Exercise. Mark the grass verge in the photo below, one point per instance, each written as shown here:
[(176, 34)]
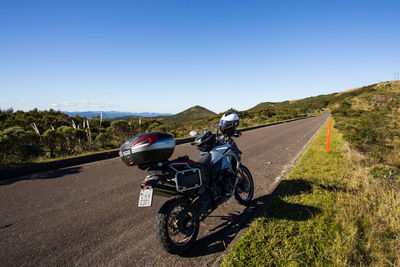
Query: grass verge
[(329, 210)]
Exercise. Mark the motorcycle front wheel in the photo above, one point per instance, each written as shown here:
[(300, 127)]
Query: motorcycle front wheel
[(245, 188), (174, 231)]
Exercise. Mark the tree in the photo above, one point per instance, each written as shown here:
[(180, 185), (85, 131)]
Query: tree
[(19, 145), (74, 140), (120, 129), (50, 141), (105, 141)]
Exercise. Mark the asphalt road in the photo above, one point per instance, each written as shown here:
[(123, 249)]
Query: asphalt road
[(88, 214)]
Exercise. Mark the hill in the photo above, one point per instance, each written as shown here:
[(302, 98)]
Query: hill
[(325, 101), (191, 114)]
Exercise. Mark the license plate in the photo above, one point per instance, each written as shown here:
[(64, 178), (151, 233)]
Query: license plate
[(145, 197), (126, 152)]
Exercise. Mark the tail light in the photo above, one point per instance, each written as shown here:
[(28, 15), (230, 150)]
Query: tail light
[(148, 139)]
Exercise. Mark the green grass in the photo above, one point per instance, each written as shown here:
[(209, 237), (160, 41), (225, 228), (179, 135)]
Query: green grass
[(328, 211)]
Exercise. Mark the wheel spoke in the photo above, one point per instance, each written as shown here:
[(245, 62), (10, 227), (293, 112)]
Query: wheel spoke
[(178, 230)]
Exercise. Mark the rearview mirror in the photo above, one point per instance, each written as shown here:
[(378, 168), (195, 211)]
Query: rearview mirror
[(193, 133)]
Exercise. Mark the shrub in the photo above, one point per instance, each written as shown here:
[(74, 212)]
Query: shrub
[(384, 171), (19, 145)]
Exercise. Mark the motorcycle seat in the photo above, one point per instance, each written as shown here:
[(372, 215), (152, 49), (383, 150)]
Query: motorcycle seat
[(182, 161)]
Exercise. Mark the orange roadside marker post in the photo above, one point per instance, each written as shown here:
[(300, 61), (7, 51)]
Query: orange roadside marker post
[(328, 142)]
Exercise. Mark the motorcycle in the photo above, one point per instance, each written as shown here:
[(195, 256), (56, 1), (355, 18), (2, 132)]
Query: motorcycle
[(195, 189)]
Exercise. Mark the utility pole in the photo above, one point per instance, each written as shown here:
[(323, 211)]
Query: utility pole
[(101, 118)]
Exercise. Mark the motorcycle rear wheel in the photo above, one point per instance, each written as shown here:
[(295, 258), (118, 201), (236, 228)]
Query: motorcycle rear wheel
[(245, 189), (173, 231)]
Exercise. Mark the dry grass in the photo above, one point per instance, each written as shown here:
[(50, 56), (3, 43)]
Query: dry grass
[(376, 207), (348, 91)]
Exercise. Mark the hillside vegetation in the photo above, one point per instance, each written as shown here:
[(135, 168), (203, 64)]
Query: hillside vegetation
[(191, 114), (370, 123)]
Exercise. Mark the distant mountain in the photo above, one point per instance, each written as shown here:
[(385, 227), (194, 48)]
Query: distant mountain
[(113, 114), (133, 117), (192, 114)]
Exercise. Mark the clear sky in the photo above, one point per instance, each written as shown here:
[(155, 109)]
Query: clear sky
[(166, 56)]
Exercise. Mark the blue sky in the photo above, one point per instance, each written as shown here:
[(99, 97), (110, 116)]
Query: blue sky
[(166, 56)]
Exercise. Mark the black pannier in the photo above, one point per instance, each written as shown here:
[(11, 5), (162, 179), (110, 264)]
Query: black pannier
[(187, 175), (189, 179), (147, 148)]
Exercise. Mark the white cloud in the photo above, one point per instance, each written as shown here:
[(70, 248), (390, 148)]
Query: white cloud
[(82, 104), (2, 100)]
